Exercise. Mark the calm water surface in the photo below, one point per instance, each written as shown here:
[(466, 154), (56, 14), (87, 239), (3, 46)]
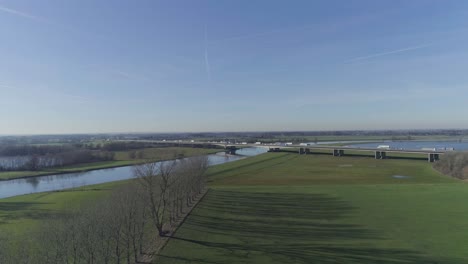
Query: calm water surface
[(72, 180), (417, 145)]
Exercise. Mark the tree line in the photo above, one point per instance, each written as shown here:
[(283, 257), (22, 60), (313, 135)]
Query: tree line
[(36, 162), (30, 150), (454, 164), (119, 228)]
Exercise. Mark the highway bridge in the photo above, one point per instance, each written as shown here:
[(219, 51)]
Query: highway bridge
[(337, 151)]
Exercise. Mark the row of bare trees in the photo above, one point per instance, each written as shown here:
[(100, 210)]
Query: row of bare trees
[(119, 228), (169, 187), (454, 164)]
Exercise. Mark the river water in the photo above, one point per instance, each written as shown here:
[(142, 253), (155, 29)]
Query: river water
[(72, 180), (417, 145)]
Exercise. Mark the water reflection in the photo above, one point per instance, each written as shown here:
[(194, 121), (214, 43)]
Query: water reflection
[(73, 180), (33, 181)]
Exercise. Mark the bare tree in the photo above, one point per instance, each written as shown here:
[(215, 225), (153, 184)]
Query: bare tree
[(129, 202), (454, 164), (114, 229), (156, 180)]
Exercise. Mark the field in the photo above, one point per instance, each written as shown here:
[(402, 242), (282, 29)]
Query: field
[(122, 158), (287, 208), (22, 214)]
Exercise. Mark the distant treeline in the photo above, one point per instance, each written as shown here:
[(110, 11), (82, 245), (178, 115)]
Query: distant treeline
[(42, 150), (454, 164), (88, 138), (37, 157), (123, 146), (29, 150), (33, 158), (37, 162)]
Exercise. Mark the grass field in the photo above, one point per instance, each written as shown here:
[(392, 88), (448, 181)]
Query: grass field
[(22, 214), (122, 158), (287, 208)]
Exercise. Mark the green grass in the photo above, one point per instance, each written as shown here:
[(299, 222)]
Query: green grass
[(289, 208), (122, 158), (21, 214), (294, 169), (6, 175), (286, 208), (166, 153), (361, 153)]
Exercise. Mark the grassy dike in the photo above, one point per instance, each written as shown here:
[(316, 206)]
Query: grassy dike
[(287, 208)]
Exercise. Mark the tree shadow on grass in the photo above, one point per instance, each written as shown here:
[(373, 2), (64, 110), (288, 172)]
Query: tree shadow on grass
[(287, 228), (10, 211)]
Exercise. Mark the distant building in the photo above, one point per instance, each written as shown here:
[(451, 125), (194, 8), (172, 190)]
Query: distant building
[(383, 147), (429, 149)]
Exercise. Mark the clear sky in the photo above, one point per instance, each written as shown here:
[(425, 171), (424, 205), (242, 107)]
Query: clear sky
[(76, 66)]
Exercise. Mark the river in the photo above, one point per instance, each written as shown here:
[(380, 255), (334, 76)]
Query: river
[(72, 180), (417, 145)]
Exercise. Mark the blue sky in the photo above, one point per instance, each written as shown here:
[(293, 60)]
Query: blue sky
[(80, 66)]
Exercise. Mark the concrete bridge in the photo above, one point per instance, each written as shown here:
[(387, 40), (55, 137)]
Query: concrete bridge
[(337, 151), (378, 153), (230, 149)]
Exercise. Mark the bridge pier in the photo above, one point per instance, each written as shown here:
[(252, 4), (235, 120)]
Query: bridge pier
[(431, 157), (380, 155), (274, 150), (338, 152), (231, 150)]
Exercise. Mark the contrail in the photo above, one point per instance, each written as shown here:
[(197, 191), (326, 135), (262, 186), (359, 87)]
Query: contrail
[(19, 13), (207, 61), (387, 53)]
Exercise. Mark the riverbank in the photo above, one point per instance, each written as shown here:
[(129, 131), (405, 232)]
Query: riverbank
[(122, 160)]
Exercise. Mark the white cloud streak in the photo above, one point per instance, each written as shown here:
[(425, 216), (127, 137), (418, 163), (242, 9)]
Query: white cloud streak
[(375, 55), (207, 60), (15, 12), (306, 28)]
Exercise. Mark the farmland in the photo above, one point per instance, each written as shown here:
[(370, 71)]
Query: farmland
[(286, 208)]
